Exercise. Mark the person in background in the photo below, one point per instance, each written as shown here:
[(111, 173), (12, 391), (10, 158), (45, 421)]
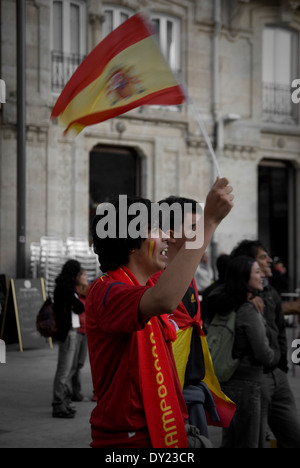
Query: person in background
[(251, 346), (221, 264), (278, 402), (204, 274), (279, 279), (82, 287), (67, 307), (292, 307)]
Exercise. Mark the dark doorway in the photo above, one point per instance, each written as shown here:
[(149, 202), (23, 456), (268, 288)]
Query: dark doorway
[(276, 205), (113, 171)]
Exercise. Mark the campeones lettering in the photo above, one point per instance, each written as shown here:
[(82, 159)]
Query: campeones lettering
[(167, 418)]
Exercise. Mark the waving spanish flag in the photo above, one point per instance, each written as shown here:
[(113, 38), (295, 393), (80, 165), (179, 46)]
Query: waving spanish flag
[(124, 71)]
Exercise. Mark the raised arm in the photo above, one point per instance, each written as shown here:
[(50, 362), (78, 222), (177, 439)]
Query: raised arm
[(164, 297)]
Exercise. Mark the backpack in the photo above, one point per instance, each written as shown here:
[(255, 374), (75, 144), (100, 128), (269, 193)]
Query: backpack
[(220, 339), (46, 319)]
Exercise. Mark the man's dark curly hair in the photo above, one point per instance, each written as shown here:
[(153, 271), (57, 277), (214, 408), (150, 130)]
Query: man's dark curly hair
[(186, 204), (114, 252), (247, 247)]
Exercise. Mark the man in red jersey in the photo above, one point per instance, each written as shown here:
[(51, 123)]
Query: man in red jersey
[(140, 402)]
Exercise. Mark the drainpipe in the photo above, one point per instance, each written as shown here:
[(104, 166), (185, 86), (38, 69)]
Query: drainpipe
[(216, 40), (21, 138), (215, 112)]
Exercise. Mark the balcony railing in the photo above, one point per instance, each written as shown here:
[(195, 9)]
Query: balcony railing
[(278, 106), (63, 67)]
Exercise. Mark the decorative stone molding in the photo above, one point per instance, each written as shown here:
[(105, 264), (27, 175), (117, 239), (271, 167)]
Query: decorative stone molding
[(95, 18), (287, 9), (246, 152), (197, 146), (195, 142), (143, 4), (36, 134), (233, 11), (294, 4)]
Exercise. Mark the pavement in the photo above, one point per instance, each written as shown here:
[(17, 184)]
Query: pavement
[(26, 384), (26, 381)]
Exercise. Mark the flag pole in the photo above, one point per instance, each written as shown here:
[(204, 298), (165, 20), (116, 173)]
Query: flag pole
[(200, 122)]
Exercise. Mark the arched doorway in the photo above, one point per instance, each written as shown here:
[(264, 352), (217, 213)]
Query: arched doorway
[(114, 171)]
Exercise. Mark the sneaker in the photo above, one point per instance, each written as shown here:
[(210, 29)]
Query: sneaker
[(77, 398), (71, 409), (63, 415)]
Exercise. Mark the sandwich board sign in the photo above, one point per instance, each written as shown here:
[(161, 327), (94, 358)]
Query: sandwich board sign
[(24, 299)]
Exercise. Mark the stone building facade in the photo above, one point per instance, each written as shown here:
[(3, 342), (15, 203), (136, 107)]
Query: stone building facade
[(238, 58)]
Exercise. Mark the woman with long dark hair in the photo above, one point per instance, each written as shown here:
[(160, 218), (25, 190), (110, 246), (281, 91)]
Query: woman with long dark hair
[(242, 283), (67, 308)]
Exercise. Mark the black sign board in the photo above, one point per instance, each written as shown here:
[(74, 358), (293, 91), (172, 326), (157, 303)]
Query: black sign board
[(24, 300), (3, 294), (3, 291)]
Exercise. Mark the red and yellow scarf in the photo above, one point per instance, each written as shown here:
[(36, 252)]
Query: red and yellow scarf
[(163, 413), (181, 349)]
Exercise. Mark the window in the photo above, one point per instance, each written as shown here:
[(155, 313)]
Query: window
[(167, 30), (68, 40), (114, 16), (279, 68), (114, 171)]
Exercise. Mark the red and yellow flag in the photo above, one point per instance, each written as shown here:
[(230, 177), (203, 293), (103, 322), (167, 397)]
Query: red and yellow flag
[(181, 349), (124, 71)]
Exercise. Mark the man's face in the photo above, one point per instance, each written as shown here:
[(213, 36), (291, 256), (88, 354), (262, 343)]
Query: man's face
[(177, 239), (264, 262), (153, 253)]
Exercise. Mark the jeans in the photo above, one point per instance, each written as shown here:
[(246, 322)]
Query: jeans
[(244, 429), (279, 410), (61, 392), (78, 363)]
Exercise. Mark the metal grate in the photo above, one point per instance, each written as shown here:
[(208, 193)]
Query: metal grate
[(277, 104), (63, 67)]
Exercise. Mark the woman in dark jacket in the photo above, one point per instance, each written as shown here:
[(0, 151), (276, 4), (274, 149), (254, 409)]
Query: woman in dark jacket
[(67, 308), (243, 281)]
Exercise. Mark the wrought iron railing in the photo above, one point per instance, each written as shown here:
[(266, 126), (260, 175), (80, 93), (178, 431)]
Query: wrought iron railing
[(63, 67), (277, 104)]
